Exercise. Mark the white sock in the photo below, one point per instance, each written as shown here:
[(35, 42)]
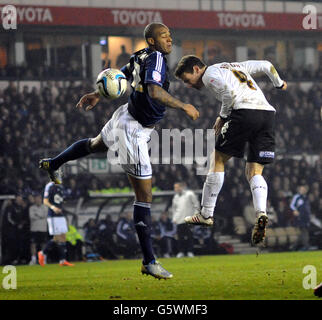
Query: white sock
[(258, 187), (33, 258), (211, 189)]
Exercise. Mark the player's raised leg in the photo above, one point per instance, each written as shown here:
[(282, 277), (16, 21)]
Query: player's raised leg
[(211, 189), (258, 188), (77, 150), (142, 222)]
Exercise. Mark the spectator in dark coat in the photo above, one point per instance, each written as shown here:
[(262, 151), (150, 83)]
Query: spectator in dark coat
[(300, 205), (15, 233)]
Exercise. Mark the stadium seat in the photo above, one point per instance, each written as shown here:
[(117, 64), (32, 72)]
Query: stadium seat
[(281, 236), (271, 238), (239, 225), (293, 235)]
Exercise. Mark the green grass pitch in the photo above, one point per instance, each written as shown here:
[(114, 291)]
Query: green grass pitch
[(269, 276)]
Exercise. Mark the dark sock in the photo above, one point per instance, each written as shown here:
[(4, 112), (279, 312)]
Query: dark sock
[(49, 245), (77, 150), (142, 222), (62, 250)]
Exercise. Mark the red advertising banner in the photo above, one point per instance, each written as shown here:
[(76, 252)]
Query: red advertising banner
[(184, 19)]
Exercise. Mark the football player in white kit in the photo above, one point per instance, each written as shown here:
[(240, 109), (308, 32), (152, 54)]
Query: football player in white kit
[(245, 116)]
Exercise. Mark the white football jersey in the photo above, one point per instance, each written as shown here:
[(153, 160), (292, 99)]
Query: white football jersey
[(233, 85)]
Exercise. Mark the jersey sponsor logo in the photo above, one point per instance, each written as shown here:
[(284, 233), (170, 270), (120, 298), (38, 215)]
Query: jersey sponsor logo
[(58, 199), (267, 154), (156, 76)]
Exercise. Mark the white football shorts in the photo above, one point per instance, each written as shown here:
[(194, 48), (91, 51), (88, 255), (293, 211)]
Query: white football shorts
[(126, 137), (57, 225)]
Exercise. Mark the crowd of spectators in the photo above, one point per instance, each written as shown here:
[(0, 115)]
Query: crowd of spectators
[(40, 122), (36, 120), (36, 72), (72, 71)]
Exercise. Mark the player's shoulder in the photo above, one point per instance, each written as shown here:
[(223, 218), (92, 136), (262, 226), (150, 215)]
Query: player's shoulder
[(212, 72), (155, 56), (49, 185), (139, 52), (48, 189), (216, 68), (140, 55)]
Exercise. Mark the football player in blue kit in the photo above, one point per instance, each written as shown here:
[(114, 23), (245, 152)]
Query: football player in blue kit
[(131, 126), (57, 224)]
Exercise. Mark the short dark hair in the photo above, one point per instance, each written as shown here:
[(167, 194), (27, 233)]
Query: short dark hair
[(149, 31), (186, 64), (182, 184)]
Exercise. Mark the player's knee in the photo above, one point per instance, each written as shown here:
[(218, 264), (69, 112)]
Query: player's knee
[(91, 145), (144, 196), (253, 170), (220, 160), (249, 173), (96, 145), (60, 238)]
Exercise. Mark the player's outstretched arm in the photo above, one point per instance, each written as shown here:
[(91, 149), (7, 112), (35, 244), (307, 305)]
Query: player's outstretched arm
[(258, 66), (163, 97), (89, 100)]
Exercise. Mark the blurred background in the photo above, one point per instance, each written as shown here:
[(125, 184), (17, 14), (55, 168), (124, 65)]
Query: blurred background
[(51, 57)]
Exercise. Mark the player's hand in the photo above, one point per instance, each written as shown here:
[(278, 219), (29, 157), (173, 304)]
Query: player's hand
[(88, 101), (218, 125), (284, 85), (191, 111), (296, 213), (56, 210)]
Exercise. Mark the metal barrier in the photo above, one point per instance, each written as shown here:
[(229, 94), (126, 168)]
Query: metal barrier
[(102, 200)]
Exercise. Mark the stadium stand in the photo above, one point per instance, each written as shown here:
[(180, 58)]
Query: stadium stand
[(46, 120), (45, 68)]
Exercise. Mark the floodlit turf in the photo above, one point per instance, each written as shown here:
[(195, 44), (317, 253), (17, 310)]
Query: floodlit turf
[(275, 276)]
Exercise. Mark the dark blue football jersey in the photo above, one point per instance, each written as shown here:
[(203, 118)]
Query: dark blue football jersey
[(146, 67), (55, 194)]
